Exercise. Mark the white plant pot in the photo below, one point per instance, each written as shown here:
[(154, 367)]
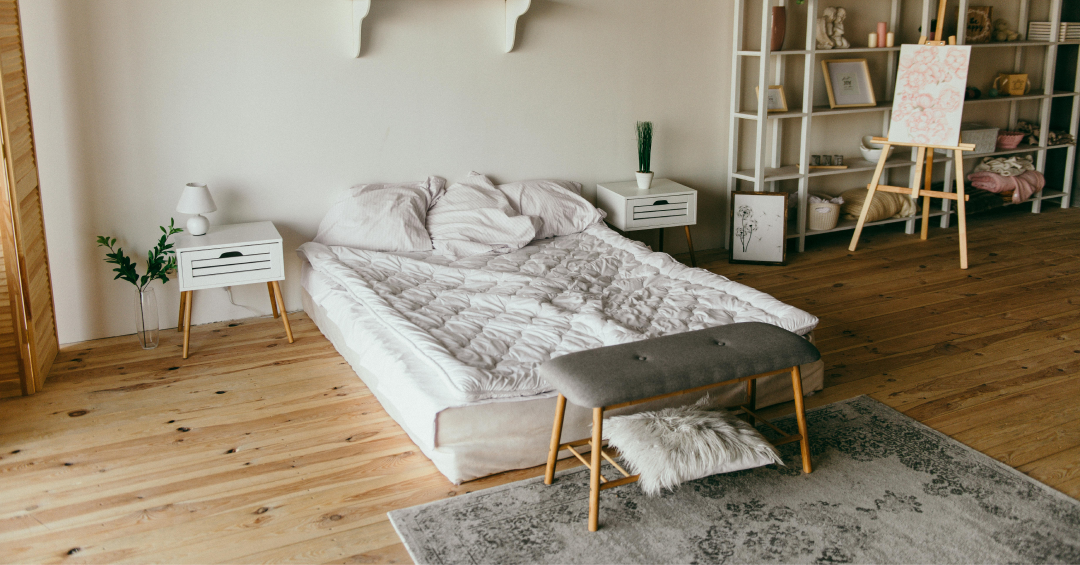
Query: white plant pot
[(644, 180)]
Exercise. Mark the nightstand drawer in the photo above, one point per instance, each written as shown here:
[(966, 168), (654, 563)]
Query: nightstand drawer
[(242, 264), (660, 211)]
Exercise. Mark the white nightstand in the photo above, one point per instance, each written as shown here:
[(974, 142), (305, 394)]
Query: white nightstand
[(227, 256), (666, 204)]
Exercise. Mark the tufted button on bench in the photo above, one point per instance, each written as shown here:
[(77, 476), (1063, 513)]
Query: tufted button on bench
[(623, 375)]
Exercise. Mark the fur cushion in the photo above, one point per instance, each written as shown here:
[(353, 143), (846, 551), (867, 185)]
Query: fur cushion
[(675, 445)]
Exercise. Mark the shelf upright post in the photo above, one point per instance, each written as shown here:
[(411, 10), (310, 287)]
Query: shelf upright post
[(776, 125), (764, 59), (1049, 72), (808, 109), (1018, 59), (733, 124), (1074, 129)]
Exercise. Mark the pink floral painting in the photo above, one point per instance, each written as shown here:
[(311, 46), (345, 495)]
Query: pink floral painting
[(929, 102)]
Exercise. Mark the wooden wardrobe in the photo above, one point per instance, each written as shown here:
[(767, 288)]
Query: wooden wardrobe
[(28, 342)]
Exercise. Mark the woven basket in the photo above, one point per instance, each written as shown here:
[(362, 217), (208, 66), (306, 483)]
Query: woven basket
[(822, 216)]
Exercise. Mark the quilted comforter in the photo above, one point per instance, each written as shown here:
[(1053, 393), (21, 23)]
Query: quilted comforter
[(485, 323)]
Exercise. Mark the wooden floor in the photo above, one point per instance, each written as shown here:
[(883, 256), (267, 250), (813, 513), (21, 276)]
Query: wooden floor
[(255, 450)]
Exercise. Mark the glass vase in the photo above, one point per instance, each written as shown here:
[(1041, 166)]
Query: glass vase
[(146, 318)]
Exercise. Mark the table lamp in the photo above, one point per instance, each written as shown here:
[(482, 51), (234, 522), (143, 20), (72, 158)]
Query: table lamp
[(196, 200)]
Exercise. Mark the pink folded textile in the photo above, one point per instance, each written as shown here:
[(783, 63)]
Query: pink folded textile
[(1023, 186)]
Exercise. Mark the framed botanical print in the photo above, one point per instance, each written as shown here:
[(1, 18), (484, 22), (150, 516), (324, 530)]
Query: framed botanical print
[(759, 228)]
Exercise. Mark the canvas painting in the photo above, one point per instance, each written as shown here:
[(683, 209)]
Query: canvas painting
[(929, 102), (759, 227)]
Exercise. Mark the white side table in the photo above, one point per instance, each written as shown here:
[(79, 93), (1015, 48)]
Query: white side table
[(226, 256), (664, 205)]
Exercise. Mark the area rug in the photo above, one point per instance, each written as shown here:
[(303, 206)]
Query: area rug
[(885, 489)]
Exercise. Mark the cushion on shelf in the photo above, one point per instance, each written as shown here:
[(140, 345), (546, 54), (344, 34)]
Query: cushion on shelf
[(885, 205)]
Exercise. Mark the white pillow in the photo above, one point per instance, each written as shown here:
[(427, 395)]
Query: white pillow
[(473, 217), (382, 217), (557, 203)]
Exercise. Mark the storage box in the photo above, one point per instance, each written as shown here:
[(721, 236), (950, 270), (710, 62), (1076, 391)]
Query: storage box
[(983, 136)]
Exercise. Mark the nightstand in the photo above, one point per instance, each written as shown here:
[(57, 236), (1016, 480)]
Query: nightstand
[(666, 204), (228, 256)]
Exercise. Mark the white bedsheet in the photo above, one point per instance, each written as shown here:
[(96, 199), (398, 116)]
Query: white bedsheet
[(483, 324)]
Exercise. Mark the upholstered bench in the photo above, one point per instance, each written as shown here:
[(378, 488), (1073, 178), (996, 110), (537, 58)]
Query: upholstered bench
[(623, 375)]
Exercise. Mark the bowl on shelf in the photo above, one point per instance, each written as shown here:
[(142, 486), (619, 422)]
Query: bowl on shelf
[(1009, 139), (871, 151)]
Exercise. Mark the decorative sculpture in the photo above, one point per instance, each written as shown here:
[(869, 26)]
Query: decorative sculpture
[(830, 29)]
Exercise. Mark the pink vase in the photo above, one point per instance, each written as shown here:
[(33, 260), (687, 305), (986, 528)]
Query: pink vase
[(779, 28)]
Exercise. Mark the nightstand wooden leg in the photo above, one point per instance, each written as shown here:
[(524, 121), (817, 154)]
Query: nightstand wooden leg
[(660, 240), (273, 300), (690, 244), (180, 318), (284, 316), (187, 322)]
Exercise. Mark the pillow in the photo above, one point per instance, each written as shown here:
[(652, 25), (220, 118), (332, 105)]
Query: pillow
[(557, 203), (675, 445), (473, 217), (885, 205), (382, 217)]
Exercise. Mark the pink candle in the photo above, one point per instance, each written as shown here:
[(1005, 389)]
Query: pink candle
[(882, 29)]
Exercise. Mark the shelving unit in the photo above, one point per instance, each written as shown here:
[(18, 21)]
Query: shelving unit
[(768, 171)]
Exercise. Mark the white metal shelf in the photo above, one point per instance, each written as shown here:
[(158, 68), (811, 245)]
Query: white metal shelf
[(855, 165)]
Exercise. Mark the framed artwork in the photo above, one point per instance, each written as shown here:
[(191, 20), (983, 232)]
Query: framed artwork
[(929, 102), (980, 24), (774, 99), (759, 228), (848, 83)]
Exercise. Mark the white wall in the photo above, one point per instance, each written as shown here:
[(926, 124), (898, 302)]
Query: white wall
[(258, 98)]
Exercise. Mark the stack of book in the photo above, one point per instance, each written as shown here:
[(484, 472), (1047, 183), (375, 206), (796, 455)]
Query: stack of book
[(1040, 31)]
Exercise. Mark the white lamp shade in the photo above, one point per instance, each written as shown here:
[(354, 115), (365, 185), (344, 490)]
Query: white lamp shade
[(196, 199)]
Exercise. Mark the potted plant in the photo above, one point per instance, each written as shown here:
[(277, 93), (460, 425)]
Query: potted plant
[(644, 152), (160, 262)]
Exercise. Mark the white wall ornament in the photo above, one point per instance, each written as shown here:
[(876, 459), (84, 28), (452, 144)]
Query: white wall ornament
[(361, 8)]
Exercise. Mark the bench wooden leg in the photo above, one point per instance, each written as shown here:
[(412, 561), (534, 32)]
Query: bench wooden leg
[(800, 416), (751, 400), (594, 480), (556, 439)]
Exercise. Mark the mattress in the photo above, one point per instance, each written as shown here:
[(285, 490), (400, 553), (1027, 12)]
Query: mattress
[(471, 427)]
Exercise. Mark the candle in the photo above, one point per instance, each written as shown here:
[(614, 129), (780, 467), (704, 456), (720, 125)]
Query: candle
[(882, 29), (872, 42), (890, 39)]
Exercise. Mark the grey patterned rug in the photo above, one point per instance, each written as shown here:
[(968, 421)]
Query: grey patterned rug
[(885, 489)]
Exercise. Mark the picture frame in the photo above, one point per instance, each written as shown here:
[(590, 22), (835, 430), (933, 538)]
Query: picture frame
[(759, 222), (775, 99), (848, 83)]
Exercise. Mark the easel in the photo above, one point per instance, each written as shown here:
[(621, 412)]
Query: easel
[(924, 155)]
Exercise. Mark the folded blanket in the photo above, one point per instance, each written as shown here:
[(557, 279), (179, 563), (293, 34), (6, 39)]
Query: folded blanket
[(1022, 186), (1006, 166)]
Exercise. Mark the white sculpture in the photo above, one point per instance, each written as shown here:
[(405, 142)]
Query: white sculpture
[(830, 29), (838, 30)]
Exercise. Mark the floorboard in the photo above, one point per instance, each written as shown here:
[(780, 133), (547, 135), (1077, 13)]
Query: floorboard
[(255, 450)]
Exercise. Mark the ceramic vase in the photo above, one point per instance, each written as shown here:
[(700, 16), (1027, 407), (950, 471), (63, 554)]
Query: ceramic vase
[(644, 180), (146, 318), (779, 28)]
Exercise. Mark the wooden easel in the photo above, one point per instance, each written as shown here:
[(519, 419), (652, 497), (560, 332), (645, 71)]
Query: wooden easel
[(924, 156)]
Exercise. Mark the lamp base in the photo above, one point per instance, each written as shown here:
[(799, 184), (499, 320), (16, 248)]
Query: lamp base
[(198, 225)]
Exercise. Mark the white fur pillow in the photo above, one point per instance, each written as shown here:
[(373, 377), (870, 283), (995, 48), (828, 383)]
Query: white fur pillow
[(473, 217), (675, 445), (558, 203), (381, 217)]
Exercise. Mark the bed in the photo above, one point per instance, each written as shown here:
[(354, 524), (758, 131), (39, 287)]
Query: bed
[(450, 346)]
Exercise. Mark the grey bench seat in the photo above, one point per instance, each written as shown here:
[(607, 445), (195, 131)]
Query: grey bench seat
[(643, 369), (632, 373)]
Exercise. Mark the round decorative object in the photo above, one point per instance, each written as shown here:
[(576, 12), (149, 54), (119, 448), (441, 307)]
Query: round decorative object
[(198, 225), (779, 28), (1009, 139), (972, 93)]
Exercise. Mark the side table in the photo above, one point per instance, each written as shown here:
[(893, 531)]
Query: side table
[(666, 204), (226, 256)]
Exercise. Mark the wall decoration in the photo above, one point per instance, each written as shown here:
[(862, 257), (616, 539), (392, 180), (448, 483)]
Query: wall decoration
[(759, 228), (848, 83), (979, 24), (774, 98), (929, 102)]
